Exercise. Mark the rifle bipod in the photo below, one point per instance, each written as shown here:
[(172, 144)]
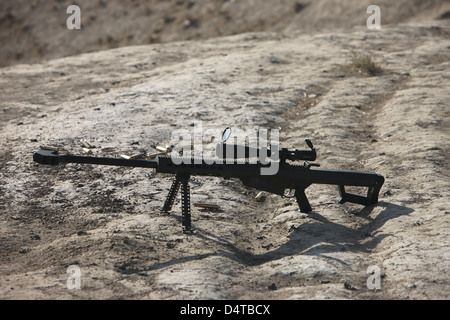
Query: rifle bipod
[(181, 179)]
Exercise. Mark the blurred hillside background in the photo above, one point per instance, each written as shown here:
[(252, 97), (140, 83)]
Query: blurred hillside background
[(35, 30)]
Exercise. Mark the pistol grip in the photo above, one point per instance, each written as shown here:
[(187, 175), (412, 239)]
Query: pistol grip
[(302, 201)]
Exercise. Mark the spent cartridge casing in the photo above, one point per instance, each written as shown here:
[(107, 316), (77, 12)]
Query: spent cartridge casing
[(207, 206), (87, 150), (134, 156), (49, 148), (86, 144), (258, 197)]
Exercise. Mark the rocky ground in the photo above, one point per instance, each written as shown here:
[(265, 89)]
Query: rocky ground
[(106, 220)]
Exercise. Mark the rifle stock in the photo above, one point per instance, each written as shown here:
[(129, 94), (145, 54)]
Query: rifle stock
[(299, 178)]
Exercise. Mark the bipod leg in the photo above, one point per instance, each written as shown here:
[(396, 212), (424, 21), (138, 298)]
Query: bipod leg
[(172, 193), (185, 203)]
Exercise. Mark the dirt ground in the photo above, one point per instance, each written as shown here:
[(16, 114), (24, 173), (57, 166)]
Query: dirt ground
[(107, 220)]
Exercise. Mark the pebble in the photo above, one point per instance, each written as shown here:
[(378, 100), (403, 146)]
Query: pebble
[(272, 287), (267, 246), (348, 286), (170, 245)]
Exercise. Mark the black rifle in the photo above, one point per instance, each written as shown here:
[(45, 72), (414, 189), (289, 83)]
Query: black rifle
[(288, 176)]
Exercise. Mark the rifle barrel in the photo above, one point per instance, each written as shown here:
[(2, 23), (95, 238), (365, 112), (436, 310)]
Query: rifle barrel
[(53, 158)]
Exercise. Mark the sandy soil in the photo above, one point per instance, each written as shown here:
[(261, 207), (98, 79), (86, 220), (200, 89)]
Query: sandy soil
[(106, 220)]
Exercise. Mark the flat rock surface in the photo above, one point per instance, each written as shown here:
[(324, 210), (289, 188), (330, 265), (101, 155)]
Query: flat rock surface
[(106, 220)]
